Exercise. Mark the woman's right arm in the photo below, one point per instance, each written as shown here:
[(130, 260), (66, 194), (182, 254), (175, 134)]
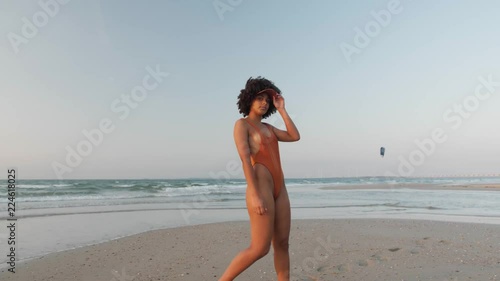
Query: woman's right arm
[(241, 139)]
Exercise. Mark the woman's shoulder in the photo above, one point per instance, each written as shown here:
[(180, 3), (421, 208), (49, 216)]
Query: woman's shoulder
[(240, 122)]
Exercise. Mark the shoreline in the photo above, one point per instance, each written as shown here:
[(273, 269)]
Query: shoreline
[(44, 232), (384, 249)]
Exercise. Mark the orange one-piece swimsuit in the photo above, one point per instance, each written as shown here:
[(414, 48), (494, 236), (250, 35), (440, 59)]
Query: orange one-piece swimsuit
[(269, 156)]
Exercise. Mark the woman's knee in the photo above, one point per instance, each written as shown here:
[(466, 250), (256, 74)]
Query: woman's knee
[(260, 251), (281, 244)]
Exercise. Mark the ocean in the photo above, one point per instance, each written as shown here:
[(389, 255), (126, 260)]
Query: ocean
[(210, 193), (57, 215)]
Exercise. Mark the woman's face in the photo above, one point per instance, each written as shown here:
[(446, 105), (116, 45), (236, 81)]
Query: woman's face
[(261, 104)]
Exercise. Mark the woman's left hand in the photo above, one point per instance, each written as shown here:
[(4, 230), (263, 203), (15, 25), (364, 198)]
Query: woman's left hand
[(279, 101)]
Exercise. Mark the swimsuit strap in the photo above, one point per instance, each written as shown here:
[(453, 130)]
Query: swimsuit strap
[(258, 130), (253, 125)]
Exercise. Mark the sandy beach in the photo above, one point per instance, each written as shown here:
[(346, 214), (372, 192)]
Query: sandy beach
[(361, 231), (333, 249)]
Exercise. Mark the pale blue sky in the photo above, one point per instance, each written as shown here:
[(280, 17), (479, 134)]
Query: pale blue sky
[(394, 91)]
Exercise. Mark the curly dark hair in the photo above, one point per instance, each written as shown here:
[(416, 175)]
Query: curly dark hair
[(247, 95)]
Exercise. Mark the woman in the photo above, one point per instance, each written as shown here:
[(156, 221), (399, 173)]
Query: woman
[(266, 195)]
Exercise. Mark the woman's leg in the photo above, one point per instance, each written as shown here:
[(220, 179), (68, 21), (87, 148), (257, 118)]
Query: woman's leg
[(282, 223), (261, 227)]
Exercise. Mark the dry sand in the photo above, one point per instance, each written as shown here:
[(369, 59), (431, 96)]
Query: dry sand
[(336, 249)]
